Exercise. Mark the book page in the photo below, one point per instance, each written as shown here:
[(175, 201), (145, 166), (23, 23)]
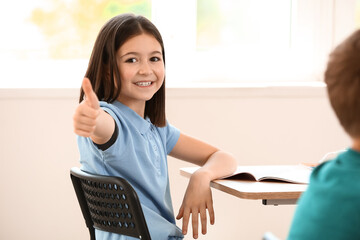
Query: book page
[(287, 173)]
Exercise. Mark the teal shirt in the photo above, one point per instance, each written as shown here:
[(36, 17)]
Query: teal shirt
[(330, 207), (139, 154)]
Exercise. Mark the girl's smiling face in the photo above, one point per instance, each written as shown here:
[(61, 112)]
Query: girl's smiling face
[(142, 71)]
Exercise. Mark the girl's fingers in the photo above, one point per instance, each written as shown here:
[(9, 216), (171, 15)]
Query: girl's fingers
[(85, 110), (84, 124), (84, 120), (203, 220), (181, 212), (185, 224), (195, 224), (82, 133), (211, 213), (84, 128)]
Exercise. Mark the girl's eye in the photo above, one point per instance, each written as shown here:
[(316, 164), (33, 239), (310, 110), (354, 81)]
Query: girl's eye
[(155, 59), (131, 60)]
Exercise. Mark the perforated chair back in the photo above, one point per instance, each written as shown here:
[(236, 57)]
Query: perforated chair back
[(109, 204)]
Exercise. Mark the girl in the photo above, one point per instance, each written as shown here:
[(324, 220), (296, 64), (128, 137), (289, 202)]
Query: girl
[(126, 133)]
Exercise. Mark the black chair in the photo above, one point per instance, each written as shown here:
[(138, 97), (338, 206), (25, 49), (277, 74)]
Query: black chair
[(109, 204)]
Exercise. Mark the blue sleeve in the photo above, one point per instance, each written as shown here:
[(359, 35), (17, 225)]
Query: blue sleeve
[(120, 143), (92, 157), (172, 136)]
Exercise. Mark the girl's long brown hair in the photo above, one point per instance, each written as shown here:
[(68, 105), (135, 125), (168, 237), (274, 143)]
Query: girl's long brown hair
[(103, 70)]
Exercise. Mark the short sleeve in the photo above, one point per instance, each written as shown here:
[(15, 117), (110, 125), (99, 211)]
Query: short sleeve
[(172, 136), (117, 143)]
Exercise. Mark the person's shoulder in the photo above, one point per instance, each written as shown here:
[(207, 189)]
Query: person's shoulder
[(167, 128), (331, 164), (112, 109), (324, 174), (104, 104), (343, 169), (169, 131)]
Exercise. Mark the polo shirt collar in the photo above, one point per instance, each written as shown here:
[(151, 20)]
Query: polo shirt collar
[(142, 125)]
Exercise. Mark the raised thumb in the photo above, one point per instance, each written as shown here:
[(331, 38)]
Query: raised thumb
[(90, 96)]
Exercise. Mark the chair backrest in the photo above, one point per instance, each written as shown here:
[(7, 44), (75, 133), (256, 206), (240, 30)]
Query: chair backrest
[(109, 204)]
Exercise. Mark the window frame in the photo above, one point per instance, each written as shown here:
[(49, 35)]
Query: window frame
[(317, 27), (325, 23)]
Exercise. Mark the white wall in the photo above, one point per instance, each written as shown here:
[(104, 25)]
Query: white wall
[(258, 125)]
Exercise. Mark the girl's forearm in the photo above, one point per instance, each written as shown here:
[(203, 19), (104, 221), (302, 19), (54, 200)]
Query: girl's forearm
[(220, 164)]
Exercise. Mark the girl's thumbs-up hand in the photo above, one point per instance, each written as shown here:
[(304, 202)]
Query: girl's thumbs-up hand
[(87, 113), (90, 96)]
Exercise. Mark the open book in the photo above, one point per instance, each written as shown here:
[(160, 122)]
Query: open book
[(285, 173)]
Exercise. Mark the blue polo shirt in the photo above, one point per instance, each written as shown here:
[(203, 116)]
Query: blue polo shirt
[(139, 154)]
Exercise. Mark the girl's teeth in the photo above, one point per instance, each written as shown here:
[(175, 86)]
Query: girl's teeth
[(143, 84)]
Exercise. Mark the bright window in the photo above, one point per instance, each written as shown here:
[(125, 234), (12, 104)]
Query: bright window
[(357, 14), (243, 23), (47, 43), (246, 40)]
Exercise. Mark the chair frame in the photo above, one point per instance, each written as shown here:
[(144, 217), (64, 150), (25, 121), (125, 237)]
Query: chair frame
[(109, 204)]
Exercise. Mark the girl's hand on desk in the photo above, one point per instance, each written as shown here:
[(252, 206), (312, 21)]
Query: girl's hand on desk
[(197, 199), (86, 114)]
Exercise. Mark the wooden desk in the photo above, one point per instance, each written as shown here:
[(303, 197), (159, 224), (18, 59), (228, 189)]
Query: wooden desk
[(271, 193)]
